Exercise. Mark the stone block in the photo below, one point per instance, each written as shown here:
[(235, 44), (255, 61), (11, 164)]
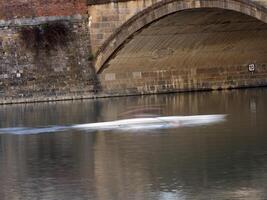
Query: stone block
[(110, 77)]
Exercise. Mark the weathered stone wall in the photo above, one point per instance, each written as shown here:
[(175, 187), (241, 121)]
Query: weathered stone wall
[(166, 81), (44, 51), (32, 70), (106, 18)]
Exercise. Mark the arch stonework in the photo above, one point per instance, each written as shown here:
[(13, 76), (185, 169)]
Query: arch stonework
[(108, 45)]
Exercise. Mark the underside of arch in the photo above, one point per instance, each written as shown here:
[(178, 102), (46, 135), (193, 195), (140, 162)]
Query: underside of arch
[(167, 7), (193, 39), (193, 49)]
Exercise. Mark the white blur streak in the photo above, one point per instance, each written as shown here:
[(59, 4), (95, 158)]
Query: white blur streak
[(135, 124), (153, 123), (30, 131)]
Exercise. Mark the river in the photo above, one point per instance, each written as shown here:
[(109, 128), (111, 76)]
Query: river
[(222, 160)]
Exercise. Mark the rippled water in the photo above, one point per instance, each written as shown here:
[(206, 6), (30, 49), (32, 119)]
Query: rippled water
[(222, 160)]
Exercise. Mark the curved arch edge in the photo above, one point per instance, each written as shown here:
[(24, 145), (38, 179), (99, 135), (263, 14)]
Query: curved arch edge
[(165, 8)]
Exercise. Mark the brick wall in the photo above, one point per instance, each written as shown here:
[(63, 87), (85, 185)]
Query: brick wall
[(34, 8)]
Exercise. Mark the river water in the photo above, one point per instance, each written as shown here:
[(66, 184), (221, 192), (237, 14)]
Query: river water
[(222, 160)]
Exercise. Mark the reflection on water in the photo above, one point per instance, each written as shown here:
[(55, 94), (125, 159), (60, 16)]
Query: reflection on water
[(226, 160)]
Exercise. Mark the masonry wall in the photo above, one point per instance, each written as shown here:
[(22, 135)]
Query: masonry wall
[(166, 81), (106, 18), (43, 72), (44, 51)]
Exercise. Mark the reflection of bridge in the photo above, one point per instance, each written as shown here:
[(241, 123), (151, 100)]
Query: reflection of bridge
[(146, 46)]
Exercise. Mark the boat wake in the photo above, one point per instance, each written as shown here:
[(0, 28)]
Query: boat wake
[(134, 124)]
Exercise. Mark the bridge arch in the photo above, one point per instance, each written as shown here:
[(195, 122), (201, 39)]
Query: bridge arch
[(167, 7)]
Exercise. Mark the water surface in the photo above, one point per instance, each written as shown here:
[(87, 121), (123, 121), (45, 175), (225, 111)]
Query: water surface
[(225, 160)]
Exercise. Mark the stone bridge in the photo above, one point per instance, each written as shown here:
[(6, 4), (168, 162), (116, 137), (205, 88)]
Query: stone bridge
[(95, 48), (151, 46)]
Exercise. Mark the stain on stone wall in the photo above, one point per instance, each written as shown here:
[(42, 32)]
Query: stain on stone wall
[(49, 36)]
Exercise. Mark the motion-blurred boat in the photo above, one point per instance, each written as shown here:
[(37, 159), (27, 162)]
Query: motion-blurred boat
[(148, 123)]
